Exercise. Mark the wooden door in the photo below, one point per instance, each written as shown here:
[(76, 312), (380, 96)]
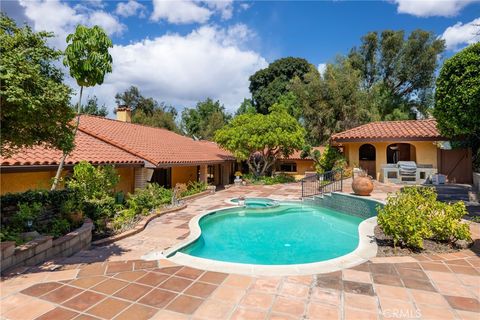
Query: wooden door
[(456, 164)]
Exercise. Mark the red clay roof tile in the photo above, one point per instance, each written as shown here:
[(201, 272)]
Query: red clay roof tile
[(87, 148), (158, 146), (418, 130)]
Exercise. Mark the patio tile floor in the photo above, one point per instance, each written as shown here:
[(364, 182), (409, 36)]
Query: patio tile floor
[(112, 282)]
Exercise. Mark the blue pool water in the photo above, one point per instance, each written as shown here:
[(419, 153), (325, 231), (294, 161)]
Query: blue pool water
[(257, 202), (290, 233)]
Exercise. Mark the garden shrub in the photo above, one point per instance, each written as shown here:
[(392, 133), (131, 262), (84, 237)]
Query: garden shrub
[(266, 180), (414, 214), (89, 182), (151, 197), (328, 159), (123, 219), (27, 212), (58, 228), (94, 190), (446, 224), (194, 187)]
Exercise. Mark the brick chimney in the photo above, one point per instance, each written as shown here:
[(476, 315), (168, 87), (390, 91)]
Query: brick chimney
[(124, 113)]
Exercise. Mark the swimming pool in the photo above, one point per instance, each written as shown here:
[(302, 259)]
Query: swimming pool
[(255, 203), (285, 234)]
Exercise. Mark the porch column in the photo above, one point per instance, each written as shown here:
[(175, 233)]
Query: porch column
[(203, 173)]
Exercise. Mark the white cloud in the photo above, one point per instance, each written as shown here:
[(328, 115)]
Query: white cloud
[(179, 69), (460, 34), (130, 8), (321, 68), (183, 70), (429, 8), (190, 11), (59, 17), (180, 11), (225, 7), (109, 23), (245, 6)]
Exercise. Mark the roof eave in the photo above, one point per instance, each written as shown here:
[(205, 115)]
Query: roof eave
[(387, 139)]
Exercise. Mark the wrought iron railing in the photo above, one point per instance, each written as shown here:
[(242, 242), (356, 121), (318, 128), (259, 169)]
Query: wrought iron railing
[(321, 183)]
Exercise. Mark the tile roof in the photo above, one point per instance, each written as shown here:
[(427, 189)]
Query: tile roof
[(406, 130), (87, 148), (155, 145)]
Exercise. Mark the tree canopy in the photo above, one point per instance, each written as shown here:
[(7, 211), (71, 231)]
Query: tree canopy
[(87, 55), (457, 96), (205, 119), (269, 84), (161, 117), (333, 102), (147, 110), (136, 101), (34, 100), (92, 108), (262, 139), (388, 77), (401, 71)]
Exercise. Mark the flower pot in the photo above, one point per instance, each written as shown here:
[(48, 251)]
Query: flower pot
[(362, 186)]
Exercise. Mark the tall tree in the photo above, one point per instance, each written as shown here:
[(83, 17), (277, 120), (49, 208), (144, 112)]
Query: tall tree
[(161, 117), (246, 107), (333, 102), (205, 119), (147, 110), (88, 59), (136, 101), (401, 71), (262, 139), (457, 98), (34, 101), (92, 108), (267, 85)]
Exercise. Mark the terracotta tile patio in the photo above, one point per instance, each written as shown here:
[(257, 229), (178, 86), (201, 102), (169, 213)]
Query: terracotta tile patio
[(113, 283)]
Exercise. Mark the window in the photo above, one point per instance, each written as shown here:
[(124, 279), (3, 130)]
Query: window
[(288, 167)]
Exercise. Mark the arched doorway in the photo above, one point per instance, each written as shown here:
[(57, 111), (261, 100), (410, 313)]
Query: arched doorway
[(366, 159), (400, 152)]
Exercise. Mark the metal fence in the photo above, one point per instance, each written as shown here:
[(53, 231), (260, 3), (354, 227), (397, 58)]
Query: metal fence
[(322, 183)]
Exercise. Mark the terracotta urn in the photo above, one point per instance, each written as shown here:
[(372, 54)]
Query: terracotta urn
[(362, 185)]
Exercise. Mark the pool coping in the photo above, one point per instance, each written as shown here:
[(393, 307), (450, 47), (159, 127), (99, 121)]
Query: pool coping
[(366, 249)]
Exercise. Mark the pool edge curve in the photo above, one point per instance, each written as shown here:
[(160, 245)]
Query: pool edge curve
[(366, 249)]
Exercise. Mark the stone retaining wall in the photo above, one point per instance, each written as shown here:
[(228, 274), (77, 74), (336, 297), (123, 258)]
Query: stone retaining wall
[(45, 247)]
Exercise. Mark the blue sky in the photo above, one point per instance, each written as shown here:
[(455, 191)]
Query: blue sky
[(184, 51)]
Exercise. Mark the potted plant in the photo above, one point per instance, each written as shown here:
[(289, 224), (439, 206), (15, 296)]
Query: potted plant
[(238, 180), (362, 184)]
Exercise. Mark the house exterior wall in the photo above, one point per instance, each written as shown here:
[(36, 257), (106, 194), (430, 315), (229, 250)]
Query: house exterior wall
[(127, 180), (23, 181), (302, 166), (424, 152), (35, 180), (183, 175)]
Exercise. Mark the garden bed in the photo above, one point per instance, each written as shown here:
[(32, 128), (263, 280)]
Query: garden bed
[(386, 249), (45, 247)]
